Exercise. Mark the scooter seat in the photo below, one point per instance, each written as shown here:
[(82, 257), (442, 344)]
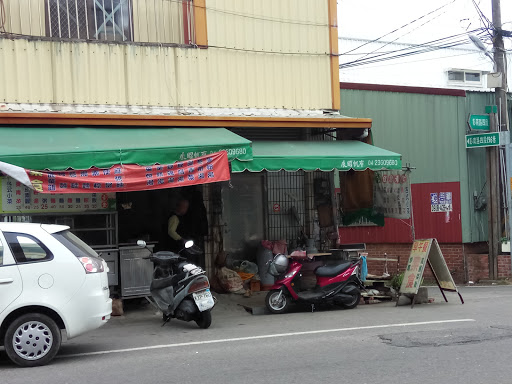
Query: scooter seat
[(332, 270)]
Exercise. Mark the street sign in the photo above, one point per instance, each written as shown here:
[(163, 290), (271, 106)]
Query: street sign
[(479, 122), (483, 140)]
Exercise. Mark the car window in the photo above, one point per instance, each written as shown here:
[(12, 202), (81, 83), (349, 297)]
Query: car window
[(75, 244), (27, 248)]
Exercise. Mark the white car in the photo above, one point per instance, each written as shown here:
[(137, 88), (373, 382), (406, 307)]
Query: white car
[(50, 280)]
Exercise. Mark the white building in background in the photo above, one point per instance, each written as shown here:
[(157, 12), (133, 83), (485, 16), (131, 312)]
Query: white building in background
[(464, 67), (400, 27)]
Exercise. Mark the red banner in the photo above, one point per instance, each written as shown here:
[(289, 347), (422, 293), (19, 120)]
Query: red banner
[(124, 178)]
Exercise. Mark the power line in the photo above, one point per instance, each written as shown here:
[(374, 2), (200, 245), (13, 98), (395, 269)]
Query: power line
[(420, 60), (405, 34), (417, 52), (403, 26), (45, 38), (273, 19), (426, 49), (485, 21), (428, 45)]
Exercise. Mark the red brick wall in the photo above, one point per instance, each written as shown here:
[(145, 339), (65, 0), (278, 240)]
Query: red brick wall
[(476, 263), (504, 266), (478, 266), (393, 251), (453, 254)]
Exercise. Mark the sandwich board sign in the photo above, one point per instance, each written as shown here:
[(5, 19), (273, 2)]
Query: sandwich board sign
[(423, 253)]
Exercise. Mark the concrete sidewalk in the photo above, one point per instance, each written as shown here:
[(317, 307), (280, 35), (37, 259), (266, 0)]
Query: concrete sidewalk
[(227, 303), (233, 305)]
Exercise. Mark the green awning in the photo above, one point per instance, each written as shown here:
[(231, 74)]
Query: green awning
[(321, 155), (82, 148)]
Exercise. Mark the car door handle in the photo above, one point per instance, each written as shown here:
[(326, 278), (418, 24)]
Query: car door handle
[(8, 280)]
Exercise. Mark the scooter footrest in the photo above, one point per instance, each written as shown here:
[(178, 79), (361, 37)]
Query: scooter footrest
[(309, 296)]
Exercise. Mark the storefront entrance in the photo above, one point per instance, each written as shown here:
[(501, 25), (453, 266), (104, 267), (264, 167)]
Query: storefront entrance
[(243, 203)]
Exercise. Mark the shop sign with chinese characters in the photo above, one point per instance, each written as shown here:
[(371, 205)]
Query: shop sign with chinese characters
[(441, 202), (415, 266), (18, 198), (392, 194), (125, 177), (233, 153), (423, 253), (362, 164)]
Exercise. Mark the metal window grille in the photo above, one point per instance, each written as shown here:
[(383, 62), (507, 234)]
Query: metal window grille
[(109, 20), (212, 200), (285, 194), (144, 21)]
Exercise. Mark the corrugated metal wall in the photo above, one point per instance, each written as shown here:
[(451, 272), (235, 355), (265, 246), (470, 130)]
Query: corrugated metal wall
[(159, 21), (445, 226), (25, 17), (425, 129), (429, 131), (263, 54), (268, 25)]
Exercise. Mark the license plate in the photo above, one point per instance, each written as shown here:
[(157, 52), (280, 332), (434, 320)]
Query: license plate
[(204, 300)]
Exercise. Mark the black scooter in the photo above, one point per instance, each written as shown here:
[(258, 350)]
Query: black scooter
[(180, 289)]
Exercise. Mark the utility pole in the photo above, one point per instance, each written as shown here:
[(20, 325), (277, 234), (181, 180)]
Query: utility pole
[(499, 59), (500, 124)]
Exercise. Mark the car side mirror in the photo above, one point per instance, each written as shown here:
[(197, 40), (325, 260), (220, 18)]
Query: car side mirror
[(141, 243)]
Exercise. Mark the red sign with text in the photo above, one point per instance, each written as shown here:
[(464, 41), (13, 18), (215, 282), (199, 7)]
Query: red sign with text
[(131, 177)]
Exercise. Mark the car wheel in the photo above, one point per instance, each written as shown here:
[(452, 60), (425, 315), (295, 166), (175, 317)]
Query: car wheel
[(32, 339)]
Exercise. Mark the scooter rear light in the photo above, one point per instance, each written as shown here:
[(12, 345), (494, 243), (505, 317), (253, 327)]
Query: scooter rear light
[(199, 286), (92, 264)]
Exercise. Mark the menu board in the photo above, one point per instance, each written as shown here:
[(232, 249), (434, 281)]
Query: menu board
[(17, 198), (415, 266)]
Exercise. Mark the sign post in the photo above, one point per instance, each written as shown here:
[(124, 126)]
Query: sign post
[(427, 252)]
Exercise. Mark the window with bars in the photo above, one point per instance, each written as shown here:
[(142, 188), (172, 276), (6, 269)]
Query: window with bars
[(109, 20)]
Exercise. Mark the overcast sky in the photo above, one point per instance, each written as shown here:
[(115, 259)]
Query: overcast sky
[(371, 19)]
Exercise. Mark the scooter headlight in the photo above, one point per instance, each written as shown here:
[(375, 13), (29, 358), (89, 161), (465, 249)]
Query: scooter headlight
[(290, 274)]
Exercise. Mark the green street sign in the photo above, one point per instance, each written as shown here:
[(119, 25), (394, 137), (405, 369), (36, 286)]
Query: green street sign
[(491, 109), (479, 122), (483, 140)]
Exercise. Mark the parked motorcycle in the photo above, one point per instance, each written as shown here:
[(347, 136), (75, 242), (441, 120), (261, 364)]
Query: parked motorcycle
[(338, 284), (180, 289)]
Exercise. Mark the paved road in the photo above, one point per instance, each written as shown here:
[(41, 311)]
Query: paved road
[(432, 343)]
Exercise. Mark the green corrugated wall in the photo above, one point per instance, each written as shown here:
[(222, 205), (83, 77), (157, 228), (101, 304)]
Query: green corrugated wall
[(429, 132)]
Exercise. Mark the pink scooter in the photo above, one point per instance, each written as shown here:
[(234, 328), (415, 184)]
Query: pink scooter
[(338, 284)]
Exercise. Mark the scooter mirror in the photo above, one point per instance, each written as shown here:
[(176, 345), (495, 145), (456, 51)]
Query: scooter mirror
[(141, 243), (189, 244)]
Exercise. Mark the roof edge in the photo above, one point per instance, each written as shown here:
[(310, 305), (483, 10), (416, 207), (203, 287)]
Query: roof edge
[(403, 89), (89, 119)]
